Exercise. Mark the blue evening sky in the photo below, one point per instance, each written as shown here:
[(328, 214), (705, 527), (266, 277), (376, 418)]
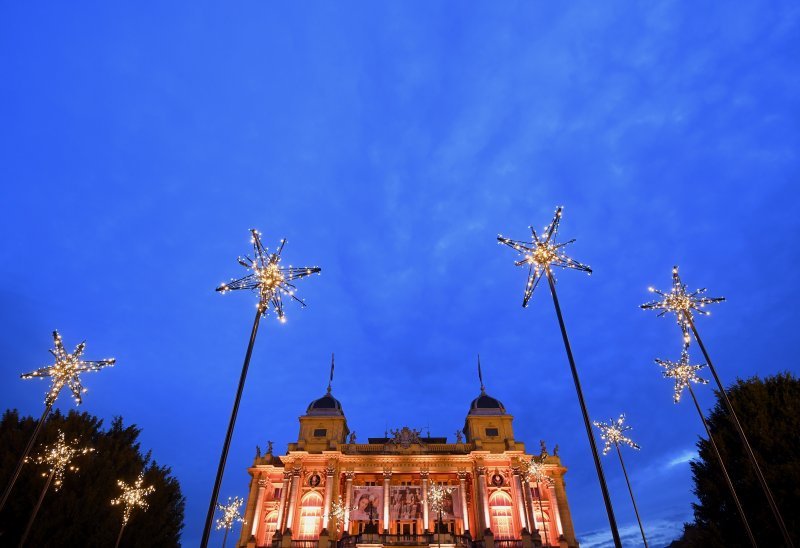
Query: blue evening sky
[(390, 143)]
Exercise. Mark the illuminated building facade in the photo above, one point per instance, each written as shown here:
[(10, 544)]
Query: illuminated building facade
[(327, 487)]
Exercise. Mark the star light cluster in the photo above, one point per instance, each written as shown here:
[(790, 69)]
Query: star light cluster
[(436, 496), (230, 513), (613, 433), (268, 278), (66, 370), (58, 457), (682, 372), (133, 496), (541, 253), (681, 303), (535, 472)]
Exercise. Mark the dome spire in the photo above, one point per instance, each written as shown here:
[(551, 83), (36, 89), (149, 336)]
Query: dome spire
[(330, 380), (480, 375)]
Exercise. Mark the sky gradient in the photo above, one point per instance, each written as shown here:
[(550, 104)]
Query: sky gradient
[(390, 144)]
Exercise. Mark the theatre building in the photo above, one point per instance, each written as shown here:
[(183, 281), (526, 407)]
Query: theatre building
[(330, 488)]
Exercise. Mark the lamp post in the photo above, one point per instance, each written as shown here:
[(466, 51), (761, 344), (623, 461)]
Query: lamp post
[(683, 304), (535, 472), (540, 255), (613, 432), (272, 282), (64, 372), (230, 515), (684, 375), (57, 457), (132, 496)]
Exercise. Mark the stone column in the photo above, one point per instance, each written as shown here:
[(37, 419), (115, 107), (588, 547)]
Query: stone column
[(531, 509), (462, 482), (326, 511), (387, 478), (292, 506), (520, 502), (484, 498), (551, 494), (282, 505), (424, 476), (348, 492), (262, 486)]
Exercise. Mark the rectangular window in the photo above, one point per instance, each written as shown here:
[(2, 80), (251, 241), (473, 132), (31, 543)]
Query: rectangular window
[(277, 493), (320, 432), (492, 432)]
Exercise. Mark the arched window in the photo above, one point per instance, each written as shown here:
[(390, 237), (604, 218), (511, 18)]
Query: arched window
[(270, 526), (544, 522), (310, 516), (500, 513)]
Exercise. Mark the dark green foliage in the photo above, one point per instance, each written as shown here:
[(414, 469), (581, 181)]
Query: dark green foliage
[(769, 412), (80, 514)]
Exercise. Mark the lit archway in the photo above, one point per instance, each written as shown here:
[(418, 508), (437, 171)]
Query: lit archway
[(501, 515), (310, 516)]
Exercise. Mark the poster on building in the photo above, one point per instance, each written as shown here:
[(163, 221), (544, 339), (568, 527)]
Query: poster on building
[(405, 502), (367, 503), (451, 507)]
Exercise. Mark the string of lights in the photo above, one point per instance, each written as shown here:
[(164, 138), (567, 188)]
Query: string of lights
[(683, 303), (271, 282), (541, 254)]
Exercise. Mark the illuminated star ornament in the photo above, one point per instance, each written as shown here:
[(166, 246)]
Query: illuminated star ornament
[(613, 433), (534, 472), (268, 278), (58, 457), (542, 252), (67, 370), (133, 496), (230, 513), (437, 494), (681, 302), (682, 372)]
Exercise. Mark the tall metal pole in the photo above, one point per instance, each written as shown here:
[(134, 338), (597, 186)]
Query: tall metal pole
[(119, 536), (25, 454), (220, 470), (724, 470), (541, 513), (630, 490), (36, 509), (599, 467), (735, 420), (225, 536)]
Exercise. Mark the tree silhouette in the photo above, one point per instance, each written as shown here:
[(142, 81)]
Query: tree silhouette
[(769, 411), (81, 514)]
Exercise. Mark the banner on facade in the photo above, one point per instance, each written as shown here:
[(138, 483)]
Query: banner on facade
[(367, 503), (405, 502), (451, 508)]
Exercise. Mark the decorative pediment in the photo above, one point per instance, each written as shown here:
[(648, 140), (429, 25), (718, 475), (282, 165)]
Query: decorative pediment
[(405, 437)]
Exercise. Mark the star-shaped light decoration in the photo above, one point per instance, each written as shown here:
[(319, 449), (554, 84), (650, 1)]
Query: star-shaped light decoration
[(437, 494), (541, 253), (682, 372), (268, 278), (58, 457), (535, 472), (133, 496), (681, 302), (230, 513), (67, 370), (613, 433), (339, 508)]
